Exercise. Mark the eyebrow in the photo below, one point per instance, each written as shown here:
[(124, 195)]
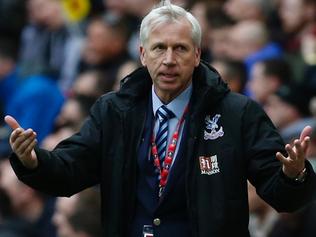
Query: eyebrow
[(175, 45)]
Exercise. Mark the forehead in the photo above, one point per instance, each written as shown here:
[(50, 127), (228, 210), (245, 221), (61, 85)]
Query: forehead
[(173, 30), (291, 3)]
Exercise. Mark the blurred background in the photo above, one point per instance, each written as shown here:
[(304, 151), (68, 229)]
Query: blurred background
[(58, 56)]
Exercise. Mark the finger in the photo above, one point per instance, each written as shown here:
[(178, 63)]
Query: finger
[(290, 152), (31, 146), (21, 139), (15, 134), (281, 158), (299, 150), (307, 131), (11, 122), (25, 145), (305, 144)]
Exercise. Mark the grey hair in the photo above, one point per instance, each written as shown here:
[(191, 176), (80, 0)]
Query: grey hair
[(167, 12)]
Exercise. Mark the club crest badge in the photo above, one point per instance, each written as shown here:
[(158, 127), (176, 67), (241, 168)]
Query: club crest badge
[(209, 165), (211, 125)]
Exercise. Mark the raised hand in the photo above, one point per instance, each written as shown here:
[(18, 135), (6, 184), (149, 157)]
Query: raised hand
[(22, 143), (295, 162)]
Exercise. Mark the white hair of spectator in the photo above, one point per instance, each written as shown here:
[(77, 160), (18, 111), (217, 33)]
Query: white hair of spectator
[(165, 13)]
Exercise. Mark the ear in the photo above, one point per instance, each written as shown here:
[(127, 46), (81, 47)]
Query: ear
[(197, 56), (142, 55)]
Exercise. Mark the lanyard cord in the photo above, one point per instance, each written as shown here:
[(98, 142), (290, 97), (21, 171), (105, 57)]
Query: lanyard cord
[(164, 169)]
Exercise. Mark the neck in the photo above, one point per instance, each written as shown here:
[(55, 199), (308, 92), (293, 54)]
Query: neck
[(167, 97)]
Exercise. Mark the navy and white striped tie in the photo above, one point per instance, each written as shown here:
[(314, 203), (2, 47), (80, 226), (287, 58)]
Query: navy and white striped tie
[(163, 114)]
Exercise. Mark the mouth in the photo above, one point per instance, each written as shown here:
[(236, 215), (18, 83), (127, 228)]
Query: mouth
[(168, 76)]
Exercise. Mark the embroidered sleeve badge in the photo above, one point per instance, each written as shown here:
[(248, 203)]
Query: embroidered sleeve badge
[(211, 124)]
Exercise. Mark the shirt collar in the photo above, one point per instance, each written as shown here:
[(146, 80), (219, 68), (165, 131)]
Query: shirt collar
[(177, 105)]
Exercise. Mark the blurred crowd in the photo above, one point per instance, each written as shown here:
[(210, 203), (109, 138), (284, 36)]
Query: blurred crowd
[(58, 56)]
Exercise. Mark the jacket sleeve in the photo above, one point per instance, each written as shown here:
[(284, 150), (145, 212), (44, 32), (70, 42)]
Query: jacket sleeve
[(262, 141), (72, 166)]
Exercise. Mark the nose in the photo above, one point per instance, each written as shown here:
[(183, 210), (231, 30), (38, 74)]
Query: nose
[(169, 59)]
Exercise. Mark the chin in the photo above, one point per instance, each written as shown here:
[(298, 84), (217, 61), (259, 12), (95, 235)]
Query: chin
[(169, 87)]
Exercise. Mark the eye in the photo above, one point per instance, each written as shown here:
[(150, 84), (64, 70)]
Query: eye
[(181, 48), (158, 47)]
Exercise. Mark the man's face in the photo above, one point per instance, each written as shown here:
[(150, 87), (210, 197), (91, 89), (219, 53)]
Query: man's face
[(170, 56), (219, 42), (292, 14), (280, 112), (64, 209), (12, 186), (101, 43), (259, 83)]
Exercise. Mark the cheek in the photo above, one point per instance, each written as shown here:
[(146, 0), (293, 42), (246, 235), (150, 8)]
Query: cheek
[(153, 63), (191, 64)]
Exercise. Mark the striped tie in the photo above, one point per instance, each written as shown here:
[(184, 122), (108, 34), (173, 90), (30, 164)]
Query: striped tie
[(163, 115)]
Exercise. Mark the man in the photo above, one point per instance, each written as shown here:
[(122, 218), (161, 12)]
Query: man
[(262, 217), (79, 215), (224, 138), (267, 76), (31, 210), (288, 105)]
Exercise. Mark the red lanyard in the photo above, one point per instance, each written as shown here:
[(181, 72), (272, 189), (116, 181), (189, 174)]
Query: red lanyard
[(164, 170)]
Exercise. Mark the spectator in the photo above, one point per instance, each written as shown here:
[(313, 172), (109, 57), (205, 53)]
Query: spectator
[(288, 105), (57, 136), (267, 77), (241, 10), (220, 26), (124, 71), (48, 46), (263, 217), (233, 72), (93, 83), (39, 92), (79, 215), (8, 73), (30, 208), (71, 117), (308, 53), (105, 48), (138, 8), (135, 13), (74, 111), (296, 17), (199, 10), (249, 42)]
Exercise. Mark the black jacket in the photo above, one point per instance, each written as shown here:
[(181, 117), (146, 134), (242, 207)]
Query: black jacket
[(244, 144)]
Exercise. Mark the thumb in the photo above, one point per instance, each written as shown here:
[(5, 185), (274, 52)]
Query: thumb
[(11, 122)]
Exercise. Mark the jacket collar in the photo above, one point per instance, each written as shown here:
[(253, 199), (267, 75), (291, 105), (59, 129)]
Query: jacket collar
[(208, 87)]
